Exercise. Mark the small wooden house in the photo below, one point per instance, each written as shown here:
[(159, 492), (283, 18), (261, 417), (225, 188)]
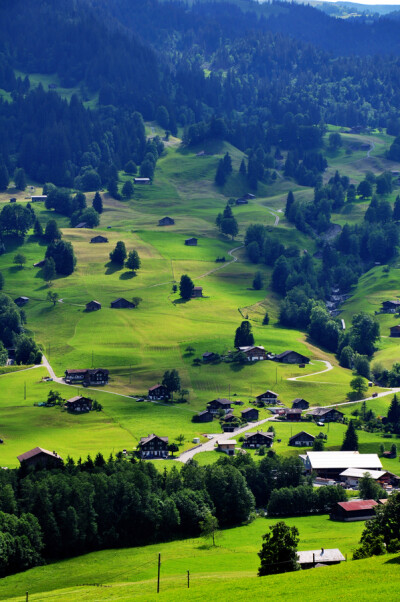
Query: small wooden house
[(191, 242), (197, 292), (38, 198), (352, 477), (98, 238), (302, 439), (217, 404), (79, 404), (354, 510), (122, 303), (291, 357), (300, 403), (141, 181), (250, 414), (256, 440), (208, 356), (326, 415), (166, 221), (242, 201), (228, 447), (249, 195), (390, 307), (254, 353), (294, 415), (93, 306), (205, 416), (312, 558), (39, 457), (153, 446), (92, 376), (157, 392), (21, 301), (268, 397), (395, 331)]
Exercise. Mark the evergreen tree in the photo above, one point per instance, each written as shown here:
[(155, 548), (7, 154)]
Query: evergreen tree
[(229, 226), (133, 261), (227, 164), (279, 550), (171, 381), (227, 211), (4, 178), (243, 336), (131, 168), (118, 255), (52, 231), (49, 270), (37, 228), (242, 168), (112, 188), (220, 176), (20, 179), (350, 440), (396, 209), (63, 254), (127, 189), (1, 281), (186, 287), (258, 281), (289, 203), (266, 319), (394, 411), (98, 203)]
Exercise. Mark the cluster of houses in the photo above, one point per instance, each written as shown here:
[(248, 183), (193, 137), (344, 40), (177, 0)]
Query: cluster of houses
[(257, 353), (87, 377)]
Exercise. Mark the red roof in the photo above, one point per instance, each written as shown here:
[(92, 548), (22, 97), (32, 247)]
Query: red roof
[(358, 505), (154, 387)]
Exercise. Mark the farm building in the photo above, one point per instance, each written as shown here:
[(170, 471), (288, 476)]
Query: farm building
[(249, 195), (81, 225), (300, 403), (294, 415), (311, 558), (38, 198), (250, 414), (158, 392), (79, 404), (390, 307), (219, 404), (141, 180), (166, 221), (326, 415), (92, 376), (39, 264), (21, 301), (204, 416), (352, 476), (330, 464), (291, 357), (268, 397), (395, 331), (197, 292), (228, 447), (98, 238), (256, 440), (242, 201), (191, 242), (122, 303), (39, 457), (153, 446), (93, 306), (302, 439), (208, 356), (354, 510), (254, 353)]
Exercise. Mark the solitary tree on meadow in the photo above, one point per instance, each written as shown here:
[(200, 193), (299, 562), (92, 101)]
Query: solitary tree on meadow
[(118, 255), (133, 261), (186, 287), (19, 259), (279, 550), (97, 202)]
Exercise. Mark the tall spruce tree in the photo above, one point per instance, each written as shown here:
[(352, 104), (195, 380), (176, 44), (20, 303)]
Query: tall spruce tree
[(350, 441), (289, 202), (97, 203), (243, 335), (394, 411)]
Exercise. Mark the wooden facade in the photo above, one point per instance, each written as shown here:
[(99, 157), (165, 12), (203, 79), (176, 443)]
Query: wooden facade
[(158, 392), (217, 404), (256, 440), (93, 306), (291, 357), (40, 458), (153, 446), (302, 439), (254, 353), (122, 303), (92, 376), (79, 404), (250, 414)]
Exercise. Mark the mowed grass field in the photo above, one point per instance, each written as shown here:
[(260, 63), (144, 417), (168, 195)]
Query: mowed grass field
[(131, 573), (137, 346)]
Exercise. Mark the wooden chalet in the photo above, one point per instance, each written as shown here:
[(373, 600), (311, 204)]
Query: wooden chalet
[(395, 331), (312, 558), (228, 447), (254, 353), (208, 356), (38, 198), (153, 446), (21, 301), (79, 404), (294, 415), (98, 238), (219, 404), (191, 242), (157, 392), (300, 403), (242, 201), (250, 414), (268, 397), (354, 510), (390, 307), (91, 376), (302, 439), (291, 357), (141, 181), (39, 457), (256, 440), (205, 416), (197, 292), (249, 195), (166, 221), (93, 306), (326, 415), (122, 303)]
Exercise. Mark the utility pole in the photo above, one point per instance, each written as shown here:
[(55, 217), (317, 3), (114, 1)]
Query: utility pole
[(92, 358), (158, 576), (27, 596), (188, 577), (24, 389), (276, 374), (229, 397), (130, 374)]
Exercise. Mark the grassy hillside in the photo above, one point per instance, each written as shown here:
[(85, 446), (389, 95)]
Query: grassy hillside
[(227, 571)]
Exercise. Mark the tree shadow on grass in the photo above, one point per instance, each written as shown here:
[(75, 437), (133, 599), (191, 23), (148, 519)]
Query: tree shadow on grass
[(180, 301), (236, 367), (127, 275), (112, 267), (393, 560)]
